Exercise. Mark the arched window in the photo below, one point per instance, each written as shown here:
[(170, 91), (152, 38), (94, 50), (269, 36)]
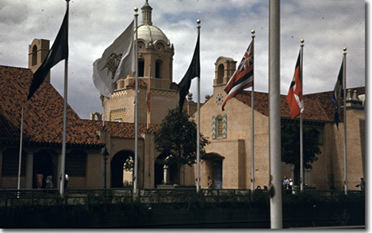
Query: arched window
[(220, 74), (157, 68), (141, 67), (34, 55)]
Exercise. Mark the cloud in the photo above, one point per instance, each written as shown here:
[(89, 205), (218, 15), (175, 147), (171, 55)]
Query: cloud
[(326, 25)]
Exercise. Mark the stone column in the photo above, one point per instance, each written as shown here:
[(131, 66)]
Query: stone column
[(165, 174)]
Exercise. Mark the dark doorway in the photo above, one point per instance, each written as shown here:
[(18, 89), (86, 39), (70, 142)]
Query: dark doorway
[(43, 167), (120, 169)]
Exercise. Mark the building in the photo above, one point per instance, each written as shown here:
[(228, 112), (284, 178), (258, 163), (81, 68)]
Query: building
[(228, 158), (228, 161)]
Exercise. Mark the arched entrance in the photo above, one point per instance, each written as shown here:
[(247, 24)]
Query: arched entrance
[(166, 174), (44, 165), (214, 169), (122, 169)]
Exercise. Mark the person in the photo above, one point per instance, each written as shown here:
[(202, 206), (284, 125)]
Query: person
[(290, 186), (66, 180), (286, 182), (210, 183), (49, 182), (39, 178), (362, 184)]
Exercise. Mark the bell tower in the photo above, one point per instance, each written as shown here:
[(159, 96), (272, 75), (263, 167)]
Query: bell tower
[(37, 51), (155, 69)]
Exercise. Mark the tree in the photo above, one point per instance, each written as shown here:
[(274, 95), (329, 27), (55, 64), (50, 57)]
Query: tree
[(290, 150), (176, 139)]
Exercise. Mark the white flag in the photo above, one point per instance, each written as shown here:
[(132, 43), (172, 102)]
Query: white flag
[(117, 61)]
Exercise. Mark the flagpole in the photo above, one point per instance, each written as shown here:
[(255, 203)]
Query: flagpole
[(198, 126), (301, 123), (345, 144), (252, 130), (136, 111), (20, 154), (275, 185), (63, 156)]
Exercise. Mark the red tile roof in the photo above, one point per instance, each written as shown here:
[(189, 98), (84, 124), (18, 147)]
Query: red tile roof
[(318, 106), (43, 114)]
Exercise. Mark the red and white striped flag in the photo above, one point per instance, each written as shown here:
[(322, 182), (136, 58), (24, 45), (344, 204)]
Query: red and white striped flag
[(242, 77)]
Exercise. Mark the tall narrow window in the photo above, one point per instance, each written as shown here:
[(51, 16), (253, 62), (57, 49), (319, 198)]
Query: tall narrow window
[(34, 55), (157, 68), (219, 127), (141, 67)]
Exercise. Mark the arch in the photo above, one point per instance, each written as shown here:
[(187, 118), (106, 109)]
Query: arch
[(214, 168), (220, 73), (45, 164), (120, 163), (34, 55), (158, 68), (172, 172)]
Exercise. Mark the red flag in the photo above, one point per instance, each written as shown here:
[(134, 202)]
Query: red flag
[(294, 97), (242, 77)]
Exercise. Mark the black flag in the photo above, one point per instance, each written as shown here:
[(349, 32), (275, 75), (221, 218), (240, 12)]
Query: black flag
[(192, 72), (57, 53)]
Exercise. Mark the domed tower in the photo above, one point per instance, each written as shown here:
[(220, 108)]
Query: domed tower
[(155, 68), (155, 54)]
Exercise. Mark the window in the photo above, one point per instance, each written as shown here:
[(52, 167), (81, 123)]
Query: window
[(219, 126), (76, 163), (220, 74), (34, 55), (157, 68), (141, 67)]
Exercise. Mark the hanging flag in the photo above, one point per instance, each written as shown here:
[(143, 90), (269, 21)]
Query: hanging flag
[(192, 72), (242, 77), (294, 97), (117, 62), (57, 53), (338, 93)]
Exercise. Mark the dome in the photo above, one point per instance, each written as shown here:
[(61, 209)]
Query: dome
[(151, 33)]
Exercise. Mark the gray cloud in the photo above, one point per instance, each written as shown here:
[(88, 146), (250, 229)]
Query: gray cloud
[(326, 25)]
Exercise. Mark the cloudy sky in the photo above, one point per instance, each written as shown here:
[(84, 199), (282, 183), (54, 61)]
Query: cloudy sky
[(327, 26)]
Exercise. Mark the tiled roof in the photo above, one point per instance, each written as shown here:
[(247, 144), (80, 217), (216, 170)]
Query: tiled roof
[(43, 114), (318, 106)]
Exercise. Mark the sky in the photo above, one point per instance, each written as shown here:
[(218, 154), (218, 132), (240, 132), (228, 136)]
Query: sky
[(327, 26)]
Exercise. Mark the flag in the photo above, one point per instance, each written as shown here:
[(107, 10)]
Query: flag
[(337, 94), (57, 53), (192, 72), (242, 77), (117, 61), (294, 97)]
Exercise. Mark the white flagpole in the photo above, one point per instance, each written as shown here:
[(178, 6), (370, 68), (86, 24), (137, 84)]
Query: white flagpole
[(20, 154), (136, 112), (275, 190), (301, 124), (198, 126), (345, 144), (252, 130), (63, 156)]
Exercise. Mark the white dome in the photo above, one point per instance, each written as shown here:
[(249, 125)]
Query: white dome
[(151, 33)]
